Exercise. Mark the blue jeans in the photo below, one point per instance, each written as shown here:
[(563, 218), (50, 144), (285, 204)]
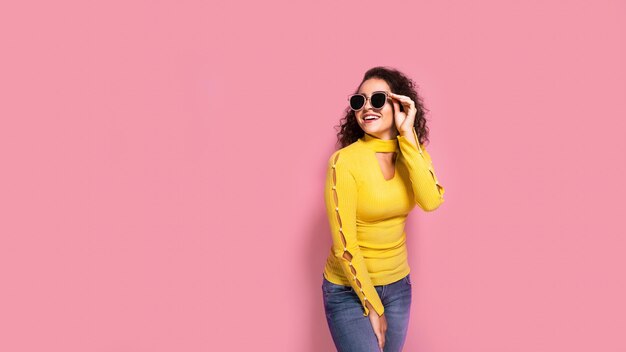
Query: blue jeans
[(353, 332)]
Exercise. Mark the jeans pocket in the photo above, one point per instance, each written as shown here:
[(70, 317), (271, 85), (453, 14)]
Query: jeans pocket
[(407, 279)]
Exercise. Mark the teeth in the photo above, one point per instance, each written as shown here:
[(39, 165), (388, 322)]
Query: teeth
[(370, 117)]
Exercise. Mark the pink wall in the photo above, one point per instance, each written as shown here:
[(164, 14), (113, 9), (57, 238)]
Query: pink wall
[(163, 164)]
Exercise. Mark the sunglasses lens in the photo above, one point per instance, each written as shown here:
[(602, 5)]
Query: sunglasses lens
[(378, 100), (357, 102)]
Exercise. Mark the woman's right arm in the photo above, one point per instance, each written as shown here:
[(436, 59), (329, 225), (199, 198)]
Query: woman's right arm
[(340, 196)]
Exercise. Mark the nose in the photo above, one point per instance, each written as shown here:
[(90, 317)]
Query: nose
[(368, 101)]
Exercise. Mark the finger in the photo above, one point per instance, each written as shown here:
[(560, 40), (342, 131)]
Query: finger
[(398, 96), (404, 99), (381, 339), (407, 103), (409, 107)]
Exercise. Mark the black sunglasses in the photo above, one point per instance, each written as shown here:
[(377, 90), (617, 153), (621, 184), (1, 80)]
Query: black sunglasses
[(378, 100)]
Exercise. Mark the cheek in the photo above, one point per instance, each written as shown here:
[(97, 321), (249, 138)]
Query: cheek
[(388, 111)]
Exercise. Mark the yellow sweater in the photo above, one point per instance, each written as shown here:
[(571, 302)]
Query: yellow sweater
[(367, 213)]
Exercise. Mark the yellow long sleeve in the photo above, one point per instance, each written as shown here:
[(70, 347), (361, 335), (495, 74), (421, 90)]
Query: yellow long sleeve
[(341, 205), (367, 213), (426, 188)]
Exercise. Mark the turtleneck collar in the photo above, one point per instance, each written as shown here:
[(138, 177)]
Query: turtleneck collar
[(379, 145)]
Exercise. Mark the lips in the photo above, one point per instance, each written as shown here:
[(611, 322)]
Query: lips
[(370, 117)]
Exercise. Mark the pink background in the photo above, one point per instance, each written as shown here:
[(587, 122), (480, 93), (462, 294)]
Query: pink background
[(162, 168)]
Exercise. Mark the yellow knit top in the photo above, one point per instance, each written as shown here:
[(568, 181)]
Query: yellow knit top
[(367, 213)]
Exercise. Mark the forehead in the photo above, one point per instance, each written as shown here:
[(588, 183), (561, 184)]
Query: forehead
[(373, 85)]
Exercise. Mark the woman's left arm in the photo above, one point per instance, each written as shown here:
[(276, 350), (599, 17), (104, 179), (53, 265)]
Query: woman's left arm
[(426, 188)]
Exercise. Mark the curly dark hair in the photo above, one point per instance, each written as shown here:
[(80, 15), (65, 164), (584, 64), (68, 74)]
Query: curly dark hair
[(399, 83)]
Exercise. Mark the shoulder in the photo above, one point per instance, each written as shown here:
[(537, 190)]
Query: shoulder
[(347, 156)]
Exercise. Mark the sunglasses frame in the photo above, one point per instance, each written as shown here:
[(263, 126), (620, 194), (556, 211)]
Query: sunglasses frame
[(368, 99)]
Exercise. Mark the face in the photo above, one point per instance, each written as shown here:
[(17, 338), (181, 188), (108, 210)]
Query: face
[(383, 126)]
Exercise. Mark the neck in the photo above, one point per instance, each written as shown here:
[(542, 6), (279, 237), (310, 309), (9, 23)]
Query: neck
[(379, 145)]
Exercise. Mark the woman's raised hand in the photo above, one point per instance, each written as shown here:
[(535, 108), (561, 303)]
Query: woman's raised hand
[(404, 119)]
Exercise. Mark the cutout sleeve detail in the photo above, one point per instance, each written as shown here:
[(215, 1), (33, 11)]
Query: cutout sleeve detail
[(426, 188), (340, 198)]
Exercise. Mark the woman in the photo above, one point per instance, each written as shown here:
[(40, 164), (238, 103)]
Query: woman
[(378, 176)]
